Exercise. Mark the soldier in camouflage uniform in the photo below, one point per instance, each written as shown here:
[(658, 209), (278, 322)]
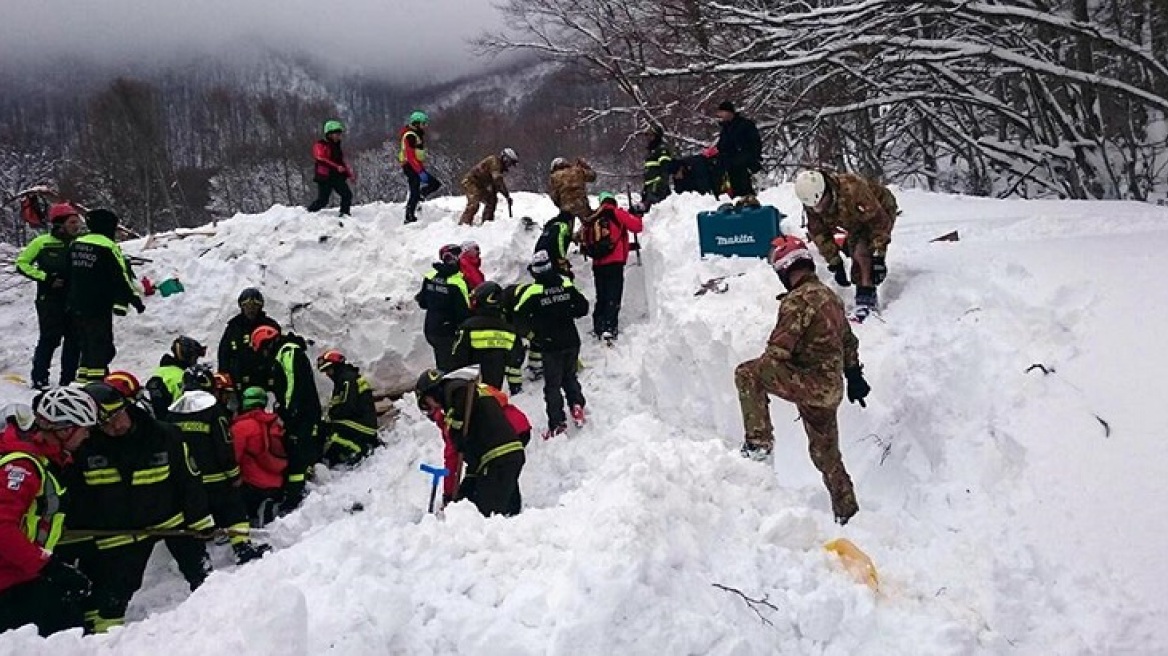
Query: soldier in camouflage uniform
[(809, 353), (569, 186), (864, 208), (484, 182)]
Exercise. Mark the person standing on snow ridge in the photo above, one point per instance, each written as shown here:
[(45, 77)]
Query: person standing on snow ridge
[(166, 385), (488, 340), (554, 238), (551, 306), (657, 163), (470, 262), (100, 286), (258, 438), (568, 186), (411, 155), (484, 182), (350, 429), (739, 151), (606, 241), (46, 261), (37, 586), (236, 356), (864, 208), (809, 352), (446, 299), (331, 173)]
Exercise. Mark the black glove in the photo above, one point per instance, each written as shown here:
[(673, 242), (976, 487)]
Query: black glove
[(841, 276), (514, 388), (858, 388), (72, 585), (879, 269), (138, 305), (245, 552)]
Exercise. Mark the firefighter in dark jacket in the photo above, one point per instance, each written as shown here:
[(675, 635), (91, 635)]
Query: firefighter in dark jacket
[(100, 286), (550, 306), (555, 238), (658, 159), (298, 405), (350, 429), (166, 385), (445, 298), (46, 261), (236, 356), (206, 428), (488, 340), (739, 152), (330, 172), (483, 436), (36, 585), (134, 473)]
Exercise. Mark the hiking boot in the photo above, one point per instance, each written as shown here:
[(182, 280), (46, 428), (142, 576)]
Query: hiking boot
[(578, 415), (866, 297), (40, 385), (756, 451), (553, 431)]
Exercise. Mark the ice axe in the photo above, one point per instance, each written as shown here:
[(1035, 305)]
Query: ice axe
[(435, 473)]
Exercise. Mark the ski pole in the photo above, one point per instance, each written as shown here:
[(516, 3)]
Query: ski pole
[(435, 474)]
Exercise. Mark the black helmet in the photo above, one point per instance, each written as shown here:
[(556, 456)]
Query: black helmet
[(251, 295), (430, 379), (109, 400), (187, 350), (487, 296), (199, 377)]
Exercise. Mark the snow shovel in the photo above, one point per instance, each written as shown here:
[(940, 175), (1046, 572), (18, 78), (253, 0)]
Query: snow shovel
[(435, 473)]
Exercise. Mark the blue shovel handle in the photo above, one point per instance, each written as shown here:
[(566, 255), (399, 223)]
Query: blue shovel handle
[(435, 473)]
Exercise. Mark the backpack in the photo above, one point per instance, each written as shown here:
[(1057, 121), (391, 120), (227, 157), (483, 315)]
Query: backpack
[(599, 237), (548, 239)]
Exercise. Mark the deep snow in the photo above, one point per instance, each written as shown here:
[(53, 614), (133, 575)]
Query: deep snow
[(999, 515)]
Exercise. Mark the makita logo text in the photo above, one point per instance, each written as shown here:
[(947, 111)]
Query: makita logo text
[(735, 240)]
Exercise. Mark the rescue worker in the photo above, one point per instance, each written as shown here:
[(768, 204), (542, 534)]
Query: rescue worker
[(696, 173), (470, 263), (166, 384), (330, 172), (350, 428), (511, 296), (555, 238), (298, 404), (226, 393), (258, 438), (206, 429), (808, 355), (865, 209), (411, 156), (446, 299), (46, 261), (481, 433), (658, 159), (484, 182), (739, 152), (37, 586), (128, 386), (100, 286), (608, 270), (133, 474), (550, 306), (236, 356), (488, 340), (568, 186)]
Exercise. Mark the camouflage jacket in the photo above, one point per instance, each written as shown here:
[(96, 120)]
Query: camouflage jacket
[(813, 335), (569, 188), (863, 207), (487, 176)]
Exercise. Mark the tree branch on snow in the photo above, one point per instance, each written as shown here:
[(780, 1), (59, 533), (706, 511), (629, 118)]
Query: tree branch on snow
[(751, 603)]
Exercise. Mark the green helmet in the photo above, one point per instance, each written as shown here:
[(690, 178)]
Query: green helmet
[(607, 196), (254, 397), (333, 126), (419, 117)]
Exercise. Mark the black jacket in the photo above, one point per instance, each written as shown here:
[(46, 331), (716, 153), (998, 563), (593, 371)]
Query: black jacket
[(206, 428), (739, 145), (657, 165), (697, 175), (445, 298), (550, 307), (236, 356), (352, 399), (294, 384), (488, 340), (485, 428), (99, 278)]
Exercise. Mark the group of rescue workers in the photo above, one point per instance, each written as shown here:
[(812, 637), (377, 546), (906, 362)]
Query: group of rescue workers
[(202, 452)]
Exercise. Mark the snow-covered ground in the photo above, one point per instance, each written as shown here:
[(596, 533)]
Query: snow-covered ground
[(1000, 515)]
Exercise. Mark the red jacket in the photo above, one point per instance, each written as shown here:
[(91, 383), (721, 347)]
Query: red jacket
[(258, 436), (329, 160), (469, 263), (624, 224), (21, 559), (451, 459), (410, 141)]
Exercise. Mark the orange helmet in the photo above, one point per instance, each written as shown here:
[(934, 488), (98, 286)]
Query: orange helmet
[(223, 381), (262, 335), (329, 358), (124, 382)]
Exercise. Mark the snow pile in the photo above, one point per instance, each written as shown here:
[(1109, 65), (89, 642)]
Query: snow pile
[(1000, 516)]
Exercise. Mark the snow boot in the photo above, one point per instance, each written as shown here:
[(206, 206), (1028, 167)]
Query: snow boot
[(553, 431), (245, 552)]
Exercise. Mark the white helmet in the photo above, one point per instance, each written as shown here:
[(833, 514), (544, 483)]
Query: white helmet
[(508, 155), (558, 163), (810, 187), (67, 406), (468, 246)]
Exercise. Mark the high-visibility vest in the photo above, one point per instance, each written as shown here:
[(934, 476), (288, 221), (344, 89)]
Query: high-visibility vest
[(44, 520)]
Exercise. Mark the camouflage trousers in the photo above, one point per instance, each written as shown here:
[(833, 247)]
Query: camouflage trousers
[(477, 196), (755, 379)]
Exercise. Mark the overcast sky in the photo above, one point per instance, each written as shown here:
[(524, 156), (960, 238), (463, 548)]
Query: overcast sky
[(396, 37)]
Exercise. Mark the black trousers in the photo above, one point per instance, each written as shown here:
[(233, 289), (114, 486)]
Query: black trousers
[(38, 602), (55, 327), (95, 336), (116, 575), (496, 490), (418, 191), (192, 559), (741, 183), (559, 373), (324, 191), (443, 345), (262, 505), (610, 288)]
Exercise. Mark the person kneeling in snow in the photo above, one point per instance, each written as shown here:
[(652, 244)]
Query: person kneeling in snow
[(350, 429), (258, 437), (483, 435), (810, 349)]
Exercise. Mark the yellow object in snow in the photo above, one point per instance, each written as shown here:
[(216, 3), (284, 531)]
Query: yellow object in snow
[(855, 561), (15, 378)]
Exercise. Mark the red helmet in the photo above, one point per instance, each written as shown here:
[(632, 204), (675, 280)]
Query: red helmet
[(262, 335), (787, 250), (224, 381), (61, 211), (329, 358), (124, 382), (449, 253)]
